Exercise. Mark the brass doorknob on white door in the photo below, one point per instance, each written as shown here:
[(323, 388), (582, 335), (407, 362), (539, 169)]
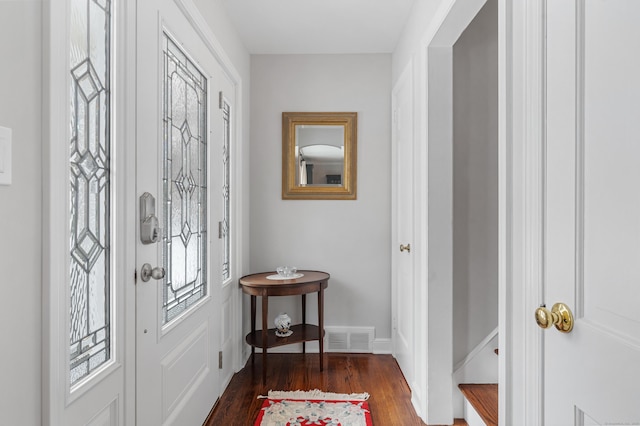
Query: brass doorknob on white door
[(147, 272), (405, 248), (560, 316)]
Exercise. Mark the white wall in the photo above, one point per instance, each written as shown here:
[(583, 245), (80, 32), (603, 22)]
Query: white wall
[(348, 239), (417, 28), (216, 16), (475, 182), (475, 199), (20, 205)]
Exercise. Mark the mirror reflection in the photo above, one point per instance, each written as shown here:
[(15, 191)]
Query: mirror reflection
[(319, 155)]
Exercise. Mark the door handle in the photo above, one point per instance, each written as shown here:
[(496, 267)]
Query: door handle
[(560, 316), (147, 272), (405, 248)]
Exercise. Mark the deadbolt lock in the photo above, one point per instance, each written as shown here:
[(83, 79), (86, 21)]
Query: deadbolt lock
[(149, 225)]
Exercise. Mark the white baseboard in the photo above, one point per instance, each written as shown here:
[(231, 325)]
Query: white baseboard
[(375, 346), (382, 346), (379, 347)]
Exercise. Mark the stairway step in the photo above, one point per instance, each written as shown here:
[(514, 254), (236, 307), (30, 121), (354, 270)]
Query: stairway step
[(460, 422), (484, 398)]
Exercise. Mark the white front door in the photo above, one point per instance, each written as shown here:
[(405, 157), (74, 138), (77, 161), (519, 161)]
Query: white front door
[(592, 230), (179, 163), (403, 291)]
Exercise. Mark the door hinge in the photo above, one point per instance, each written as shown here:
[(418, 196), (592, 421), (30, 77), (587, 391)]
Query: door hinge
[(220, 360), (220, 100), (220, 230), (135, 276)]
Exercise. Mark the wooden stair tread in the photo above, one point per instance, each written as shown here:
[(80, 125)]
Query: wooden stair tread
[(484, 398), (460, 422)]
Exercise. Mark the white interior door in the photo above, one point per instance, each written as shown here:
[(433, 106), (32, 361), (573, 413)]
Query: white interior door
[(592, 374), (404, 291), (179, 162)]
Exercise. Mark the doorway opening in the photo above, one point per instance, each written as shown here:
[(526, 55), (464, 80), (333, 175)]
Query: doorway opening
[(475, 202), (462, 162)]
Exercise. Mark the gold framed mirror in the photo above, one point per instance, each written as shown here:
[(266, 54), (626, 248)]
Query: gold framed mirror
[(319, 155)]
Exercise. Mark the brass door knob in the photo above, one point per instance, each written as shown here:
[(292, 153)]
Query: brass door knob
[(560, 316), (405, 248)]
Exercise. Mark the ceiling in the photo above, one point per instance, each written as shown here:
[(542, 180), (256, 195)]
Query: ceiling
[(318, 26)]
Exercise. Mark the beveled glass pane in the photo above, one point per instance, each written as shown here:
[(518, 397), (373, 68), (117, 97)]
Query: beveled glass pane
[(184, 182), (89, 187), (226, 187)]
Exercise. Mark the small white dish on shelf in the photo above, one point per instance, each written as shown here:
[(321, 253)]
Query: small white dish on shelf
[(283, 277), (285, 334)]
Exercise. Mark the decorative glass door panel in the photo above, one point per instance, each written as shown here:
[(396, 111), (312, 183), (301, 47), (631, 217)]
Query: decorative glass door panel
[(184, 182), (89, 187), (226, 189)]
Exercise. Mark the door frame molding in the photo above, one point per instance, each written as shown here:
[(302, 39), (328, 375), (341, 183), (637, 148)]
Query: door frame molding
[(53, 161), (522, 110)]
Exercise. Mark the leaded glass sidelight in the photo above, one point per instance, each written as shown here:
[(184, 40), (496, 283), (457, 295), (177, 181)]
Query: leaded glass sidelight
[(226, 202), (89, 187), (184, 180)]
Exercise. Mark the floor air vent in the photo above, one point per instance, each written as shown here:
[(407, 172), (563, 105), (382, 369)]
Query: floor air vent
[(349, 339)]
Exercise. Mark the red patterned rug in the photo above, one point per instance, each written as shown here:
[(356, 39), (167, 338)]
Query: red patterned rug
[(301, 408)]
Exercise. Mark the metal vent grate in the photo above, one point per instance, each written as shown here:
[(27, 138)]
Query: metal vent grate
[(360, 342), (338, 341), (349, 339)]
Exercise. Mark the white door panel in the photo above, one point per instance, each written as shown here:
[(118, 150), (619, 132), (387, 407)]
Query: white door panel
[(86, 279), (592, 375), (179, 133), (404, 300), (226, 338), (228, 233)]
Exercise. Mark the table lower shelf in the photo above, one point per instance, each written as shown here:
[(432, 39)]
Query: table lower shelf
[(301, 333)]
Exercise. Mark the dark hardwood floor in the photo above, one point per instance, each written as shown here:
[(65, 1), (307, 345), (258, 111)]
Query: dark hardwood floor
[(379, 375)]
